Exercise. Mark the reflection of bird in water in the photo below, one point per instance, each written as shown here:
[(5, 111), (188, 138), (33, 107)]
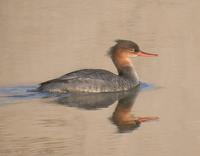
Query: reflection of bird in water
[(100, 80), (121, 117), (90, 100)]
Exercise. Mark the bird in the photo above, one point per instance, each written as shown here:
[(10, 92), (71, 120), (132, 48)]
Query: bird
[(101, 80)]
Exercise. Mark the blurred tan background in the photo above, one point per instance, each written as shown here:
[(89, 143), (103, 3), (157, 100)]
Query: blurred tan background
[(43, 39), (40, 40)]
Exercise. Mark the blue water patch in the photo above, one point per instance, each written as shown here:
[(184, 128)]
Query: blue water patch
[(13, 94), (146, 86)]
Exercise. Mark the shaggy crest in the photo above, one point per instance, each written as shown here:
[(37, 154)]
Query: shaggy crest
[(126, 44)]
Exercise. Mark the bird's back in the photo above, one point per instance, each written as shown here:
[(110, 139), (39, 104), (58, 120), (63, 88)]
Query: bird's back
[(87, 80)]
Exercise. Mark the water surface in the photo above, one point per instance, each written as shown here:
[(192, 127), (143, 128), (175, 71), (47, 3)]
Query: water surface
[(41, 40)]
